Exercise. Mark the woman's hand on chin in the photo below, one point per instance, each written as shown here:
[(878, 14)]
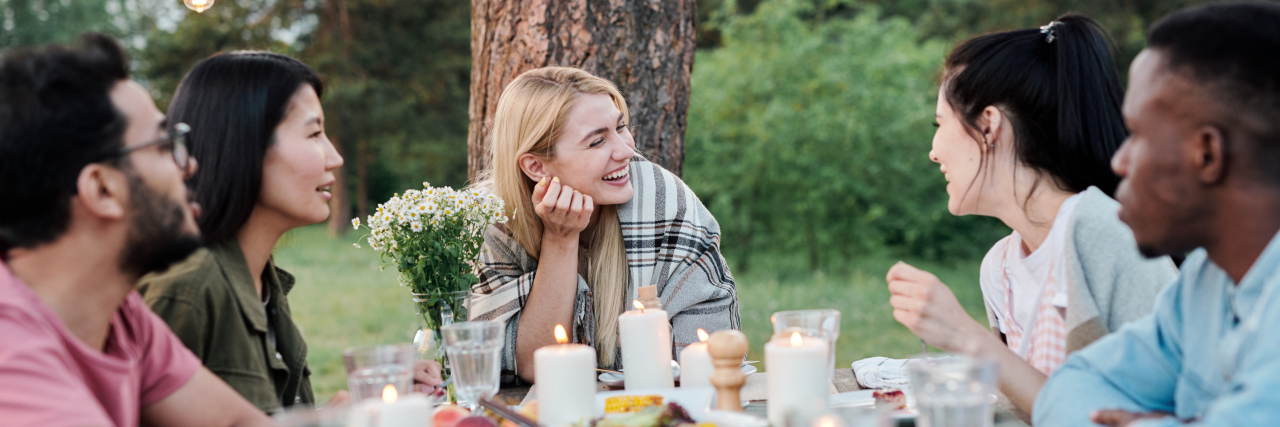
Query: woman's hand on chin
[(565, 212), (927, 307)]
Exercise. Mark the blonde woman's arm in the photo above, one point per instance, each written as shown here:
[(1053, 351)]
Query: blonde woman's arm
[(565, 212)]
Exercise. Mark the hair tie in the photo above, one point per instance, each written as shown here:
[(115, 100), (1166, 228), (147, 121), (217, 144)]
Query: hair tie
[(1047, 30)]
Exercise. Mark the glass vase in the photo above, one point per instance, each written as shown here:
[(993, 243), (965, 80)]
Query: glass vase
[(432, 315)]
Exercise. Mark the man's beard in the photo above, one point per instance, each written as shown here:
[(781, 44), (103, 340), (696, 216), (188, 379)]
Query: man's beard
[(157, 237)]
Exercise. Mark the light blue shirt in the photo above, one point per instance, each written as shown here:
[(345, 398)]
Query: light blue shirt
[(1209, 354)]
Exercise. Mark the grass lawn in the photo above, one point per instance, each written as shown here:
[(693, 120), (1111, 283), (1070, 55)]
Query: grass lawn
[(343, 299)]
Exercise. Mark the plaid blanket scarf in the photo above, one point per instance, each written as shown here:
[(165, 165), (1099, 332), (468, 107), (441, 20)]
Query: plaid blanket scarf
[(671, 241)]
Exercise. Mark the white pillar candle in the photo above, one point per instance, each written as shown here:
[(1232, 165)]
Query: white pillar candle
[(695, 363), (413, 410), (568, 393), (796, 375), (646, 348), (362, 414)]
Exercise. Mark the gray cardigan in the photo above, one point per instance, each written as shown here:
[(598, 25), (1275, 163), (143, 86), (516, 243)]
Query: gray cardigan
[(1109, 283)]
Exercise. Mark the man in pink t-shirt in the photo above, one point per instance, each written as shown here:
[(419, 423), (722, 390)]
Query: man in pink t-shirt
[(93, 198)]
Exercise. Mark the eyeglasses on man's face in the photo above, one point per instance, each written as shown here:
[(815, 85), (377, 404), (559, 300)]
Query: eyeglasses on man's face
[(175, 141)]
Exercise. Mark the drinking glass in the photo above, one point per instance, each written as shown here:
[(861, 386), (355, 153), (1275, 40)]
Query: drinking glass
[(821, 323), (953, 391), (475, 351), (371, 369)]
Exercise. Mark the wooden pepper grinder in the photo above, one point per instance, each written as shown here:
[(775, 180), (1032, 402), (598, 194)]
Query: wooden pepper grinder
[(728, 348)]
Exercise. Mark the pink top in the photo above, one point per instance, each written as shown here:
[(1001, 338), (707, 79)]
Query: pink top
[(48, 377)]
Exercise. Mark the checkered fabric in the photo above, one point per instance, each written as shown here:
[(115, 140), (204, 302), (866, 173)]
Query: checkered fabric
[(671, 241), (1048, 348)]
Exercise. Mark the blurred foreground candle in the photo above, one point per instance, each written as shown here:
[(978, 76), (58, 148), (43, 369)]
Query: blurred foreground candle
[(646, 348), (566, 376), (392, 411), (796, 375), (412, 410), (695, 363)]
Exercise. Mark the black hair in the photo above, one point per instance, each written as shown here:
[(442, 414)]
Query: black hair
[(1231, 51), (1061, 96), (56, 117), (233, 102)]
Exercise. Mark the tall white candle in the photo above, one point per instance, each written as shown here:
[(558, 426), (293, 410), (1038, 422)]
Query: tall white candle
[(413, 410), (646, 348), (566, 381), (796, 375), (695, 363)]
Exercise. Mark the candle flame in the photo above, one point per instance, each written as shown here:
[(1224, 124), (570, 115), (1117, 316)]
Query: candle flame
[(826, 422), (639, 305), (561, 337), (702, 335), (796, 340), (389, 394)]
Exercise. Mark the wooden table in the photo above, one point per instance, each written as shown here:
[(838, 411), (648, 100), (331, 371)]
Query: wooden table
[(754, 391)]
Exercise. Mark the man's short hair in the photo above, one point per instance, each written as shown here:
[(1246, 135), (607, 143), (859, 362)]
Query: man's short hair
[(56, 116), (1232, 51)]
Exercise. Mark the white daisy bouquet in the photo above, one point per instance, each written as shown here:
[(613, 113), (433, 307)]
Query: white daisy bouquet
[(434, 236)]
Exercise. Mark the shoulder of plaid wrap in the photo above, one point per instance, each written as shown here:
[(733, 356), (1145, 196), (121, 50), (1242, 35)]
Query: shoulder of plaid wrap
[(671, 241)]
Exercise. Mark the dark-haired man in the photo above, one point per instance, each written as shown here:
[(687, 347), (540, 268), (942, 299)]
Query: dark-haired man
[(93, 197), (1201, 169)]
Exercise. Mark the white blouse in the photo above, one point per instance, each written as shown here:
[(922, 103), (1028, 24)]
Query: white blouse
[(1027, 273)]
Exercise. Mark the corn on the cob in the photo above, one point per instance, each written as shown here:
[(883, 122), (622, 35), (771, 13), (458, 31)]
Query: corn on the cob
[(624, 404)]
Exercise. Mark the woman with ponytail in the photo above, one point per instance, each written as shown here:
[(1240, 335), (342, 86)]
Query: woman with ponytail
[(1027, 123)]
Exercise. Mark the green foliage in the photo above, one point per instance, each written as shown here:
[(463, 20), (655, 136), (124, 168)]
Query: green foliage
[(399, 75), (227, 26), (396, 75), (813, 138), (34, 22)]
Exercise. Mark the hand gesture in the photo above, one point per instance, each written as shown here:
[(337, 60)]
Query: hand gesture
[(426, 376), (565, 212), (927, 307)]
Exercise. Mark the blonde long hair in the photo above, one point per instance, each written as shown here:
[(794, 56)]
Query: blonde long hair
[(530, 119)]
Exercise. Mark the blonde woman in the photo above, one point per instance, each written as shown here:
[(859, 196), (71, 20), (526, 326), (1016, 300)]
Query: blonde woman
[(591, 222)]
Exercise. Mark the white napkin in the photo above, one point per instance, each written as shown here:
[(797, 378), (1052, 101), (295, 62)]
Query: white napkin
[(881, 372)]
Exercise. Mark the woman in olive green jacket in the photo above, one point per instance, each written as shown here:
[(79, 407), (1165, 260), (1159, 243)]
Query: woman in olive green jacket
[(266, 167)]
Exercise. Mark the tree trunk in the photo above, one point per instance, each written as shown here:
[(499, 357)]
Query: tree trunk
[(340, 205), (645, 47)]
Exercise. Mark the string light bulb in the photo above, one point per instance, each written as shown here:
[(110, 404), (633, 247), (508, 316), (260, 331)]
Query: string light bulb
[(198, 5)]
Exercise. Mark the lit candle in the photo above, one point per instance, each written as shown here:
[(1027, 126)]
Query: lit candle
[(391, 410), (646, 348), (410, 410), (569, 394), (795, 376), (695, 363)]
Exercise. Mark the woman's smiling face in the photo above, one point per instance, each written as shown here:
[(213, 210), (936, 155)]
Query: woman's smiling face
[(593, 152), (959, 158)]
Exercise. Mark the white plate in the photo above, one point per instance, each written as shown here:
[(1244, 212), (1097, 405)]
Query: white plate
[(863, 399), (618, 380), (697, 401)]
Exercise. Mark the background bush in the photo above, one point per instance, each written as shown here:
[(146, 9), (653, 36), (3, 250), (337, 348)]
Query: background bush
[(811, 138)]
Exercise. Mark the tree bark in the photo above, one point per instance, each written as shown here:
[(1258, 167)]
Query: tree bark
[(340, 204), (645, 47)]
